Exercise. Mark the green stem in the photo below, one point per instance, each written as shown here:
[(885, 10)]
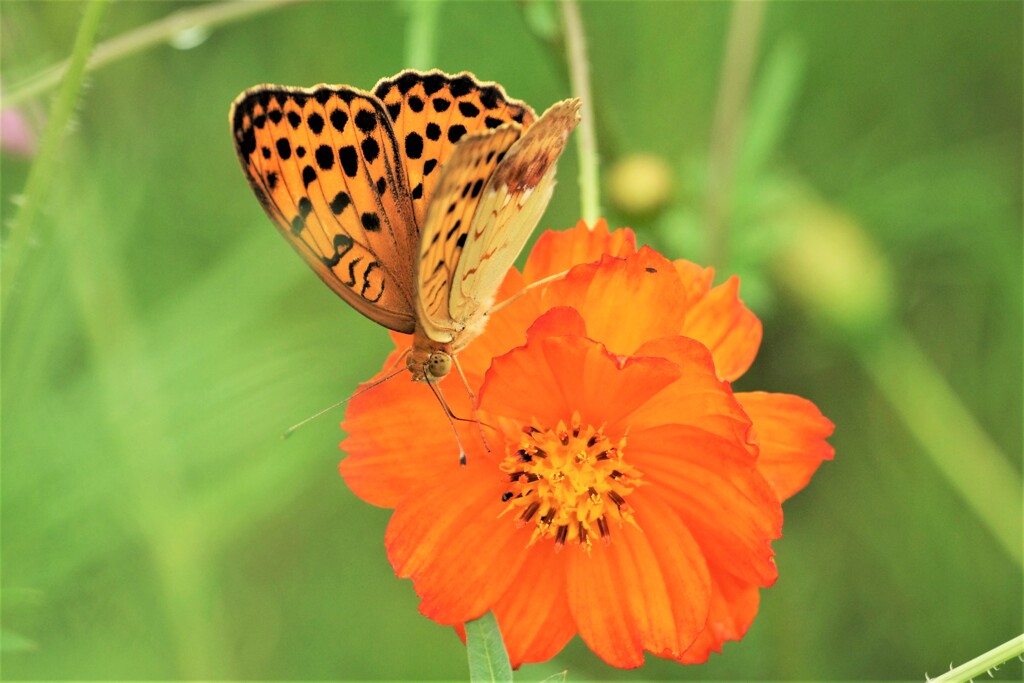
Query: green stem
[(727, 129), (44, 167), (421, 34), (579, 76), (136, 40), (961, 450), (985, 663)]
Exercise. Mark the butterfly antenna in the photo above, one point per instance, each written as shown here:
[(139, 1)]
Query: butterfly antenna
[(288, 432), (533, 285), (472, 403), (451, 420)]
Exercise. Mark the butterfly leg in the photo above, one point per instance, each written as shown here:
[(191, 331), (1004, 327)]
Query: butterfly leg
[(451, 419), (533, 285), (472, 402)]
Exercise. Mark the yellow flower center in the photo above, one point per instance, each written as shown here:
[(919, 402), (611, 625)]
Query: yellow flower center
[(570, 482)]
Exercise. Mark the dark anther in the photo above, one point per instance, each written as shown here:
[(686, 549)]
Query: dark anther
[(524, 456), (602, 526), (507, 496), (603, 455), (615, 474), (560, 536), (591, 441), (564, 439), (583, 533), (540, 453), (548, 517), (616, 498), (530, 511)]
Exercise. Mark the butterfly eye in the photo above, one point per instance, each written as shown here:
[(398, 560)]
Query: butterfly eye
[(440, 364)]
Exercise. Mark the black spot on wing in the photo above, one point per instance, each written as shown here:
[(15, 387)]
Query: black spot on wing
[(456, 132), (308, 175), (370, 221), (370, 150), (413, 145), (366, 121), (324, 157), (349, 160), (340, 202), (315, 123), (284, 149), (338, 120)]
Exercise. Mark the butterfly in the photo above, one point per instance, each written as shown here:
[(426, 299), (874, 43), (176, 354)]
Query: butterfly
[(411, 201)]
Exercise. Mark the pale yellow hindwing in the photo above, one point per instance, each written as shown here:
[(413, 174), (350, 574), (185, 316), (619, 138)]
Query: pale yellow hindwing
[(457, 196), (511, 204)]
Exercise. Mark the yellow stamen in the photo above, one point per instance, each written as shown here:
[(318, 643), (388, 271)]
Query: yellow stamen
[(570, 482)]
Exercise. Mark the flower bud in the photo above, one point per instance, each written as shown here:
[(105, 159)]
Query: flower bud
[(640, 184), (831, 266)]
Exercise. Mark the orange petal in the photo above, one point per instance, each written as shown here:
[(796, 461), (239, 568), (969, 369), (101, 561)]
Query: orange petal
[(696, 279), (646, 590), (560, 321), (714, 486), (551, 377), (699, 398), (446, 536), (625, 301), (401, 412), (791, 433), (556, 252), (721, 322), (534, 613), (734, 605)]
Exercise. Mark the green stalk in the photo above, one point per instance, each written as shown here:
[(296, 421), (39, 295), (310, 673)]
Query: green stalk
[(985, 663), (41, 174), (137, 40), (579, 77), (960, 449), (727, 130), (421, 34)]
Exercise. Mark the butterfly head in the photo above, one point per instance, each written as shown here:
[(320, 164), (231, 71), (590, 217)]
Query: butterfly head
[(429, 365)]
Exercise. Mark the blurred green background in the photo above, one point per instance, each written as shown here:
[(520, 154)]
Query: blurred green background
[(865, 181)]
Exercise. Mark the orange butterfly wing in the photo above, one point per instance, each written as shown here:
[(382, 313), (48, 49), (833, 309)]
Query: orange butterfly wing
[(325, 164), (431, 111)]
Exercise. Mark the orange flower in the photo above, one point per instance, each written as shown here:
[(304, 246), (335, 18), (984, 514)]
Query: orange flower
[(624, 493)]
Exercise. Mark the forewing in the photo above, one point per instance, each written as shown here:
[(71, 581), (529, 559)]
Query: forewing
[(511, 204), (431, 111), (458, 193), (326, 166)]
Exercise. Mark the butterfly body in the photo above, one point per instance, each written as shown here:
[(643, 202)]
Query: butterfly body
[(411, 201)]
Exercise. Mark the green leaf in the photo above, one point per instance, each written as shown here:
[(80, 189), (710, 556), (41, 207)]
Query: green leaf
[(488, 660)]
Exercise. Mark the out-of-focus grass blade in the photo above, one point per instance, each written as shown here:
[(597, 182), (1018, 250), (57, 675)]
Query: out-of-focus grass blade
[(12, 642), (771, 107), (488, 661)]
